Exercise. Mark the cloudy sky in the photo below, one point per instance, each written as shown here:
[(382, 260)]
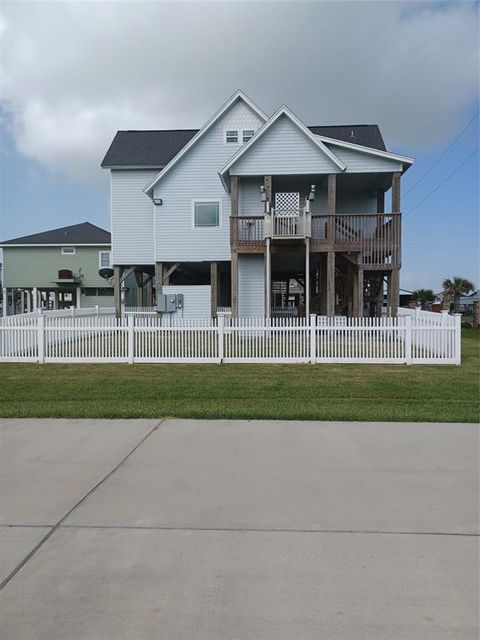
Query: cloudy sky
[(72, 73)]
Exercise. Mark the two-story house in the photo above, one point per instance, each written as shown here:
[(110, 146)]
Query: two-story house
[(56, 269), (275, 216)]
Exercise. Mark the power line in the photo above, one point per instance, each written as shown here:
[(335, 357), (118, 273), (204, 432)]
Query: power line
[(443, 154), (450, 175)]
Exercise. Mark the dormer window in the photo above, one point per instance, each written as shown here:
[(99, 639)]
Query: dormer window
[(231, 136), (247, 134)]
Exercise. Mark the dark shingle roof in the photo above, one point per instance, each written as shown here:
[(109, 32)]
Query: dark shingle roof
[(157, 148), (84, 233)]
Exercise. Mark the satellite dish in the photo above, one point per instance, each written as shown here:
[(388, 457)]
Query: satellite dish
[(106, 273)]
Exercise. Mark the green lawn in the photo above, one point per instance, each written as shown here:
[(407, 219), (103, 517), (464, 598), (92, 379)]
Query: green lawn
[(304, 392)]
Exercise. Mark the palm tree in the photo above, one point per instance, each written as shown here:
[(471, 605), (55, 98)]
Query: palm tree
[(423, 296), (454, 288)]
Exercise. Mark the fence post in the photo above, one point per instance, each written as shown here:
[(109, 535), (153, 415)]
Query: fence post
[(220, 333), (41, 338), (130, 338), (408, 339), (458, 338), (313, 338)]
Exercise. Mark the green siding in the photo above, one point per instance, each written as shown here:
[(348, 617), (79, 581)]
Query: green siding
[(92, 301), (38, 266)]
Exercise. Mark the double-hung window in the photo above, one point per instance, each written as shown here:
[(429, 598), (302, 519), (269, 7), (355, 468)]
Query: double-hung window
[(247, 134), (104, 259), (206, 214), (231, 136)]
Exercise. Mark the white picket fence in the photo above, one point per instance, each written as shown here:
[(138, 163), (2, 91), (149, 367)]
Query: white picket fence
[(411, 338)]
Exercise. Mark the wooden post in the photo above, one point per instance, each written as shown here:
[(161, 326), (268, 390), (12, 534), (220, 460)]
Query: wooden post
[(331, 206), (234, 284), (380, 201), (267, 183), (149, 293), (358, 280), (394, 292), (233, 209), (139, 282), (330, 283), (158, 280), (268, 279), (307, 277), (117, 294), (213, 288), (396, 192)]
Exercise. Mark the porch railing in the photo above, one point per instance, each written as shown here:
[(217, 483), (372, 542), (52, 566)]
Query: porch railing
[(377, 236)]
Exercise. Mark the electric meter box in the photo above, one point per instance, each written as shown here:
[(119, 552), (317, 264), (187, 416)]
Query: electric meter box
[(169, 302)]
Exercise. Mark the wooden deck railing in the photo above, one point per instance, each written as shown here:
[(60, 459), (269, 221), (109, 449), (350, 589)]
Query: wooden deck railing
[(377, 236)]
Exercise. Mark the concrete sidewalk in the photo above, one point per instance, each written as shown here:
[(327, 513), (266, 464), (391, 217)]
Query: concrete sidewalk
[(211, 530)]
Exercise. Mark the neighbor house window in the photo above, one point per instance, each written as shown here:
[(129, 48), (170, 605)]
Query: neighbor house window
[(104, 259), (247, 134), (231, 135), (68, 251), (206, 214)]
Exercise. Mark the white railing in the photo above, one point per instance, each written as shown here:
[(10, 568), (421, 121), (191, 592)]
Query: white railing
[(423, 339), (288, 224)]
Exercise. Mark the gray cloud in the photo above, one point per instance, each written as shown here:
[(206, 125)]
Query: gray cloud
[(74, 73)]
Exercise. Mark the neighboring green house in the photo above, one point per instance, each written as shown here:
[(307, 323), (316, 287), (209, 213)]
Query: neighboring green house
[(57, 269)]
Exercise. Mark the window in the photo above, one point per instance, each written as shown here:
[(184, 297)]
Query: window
[(206, 214), (66, 251), (247, 134), (104, 259), (231, 135)]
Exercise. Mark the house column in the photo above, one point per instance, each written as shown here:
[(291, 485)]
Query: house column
[(79, 297), (5, 301), (159, 270), (139, 292), (55, 299), (331, 207), (393, 292), (234, 284), (358, 292), (268, 278), (307, 277), (149, 292), (330, 277), (117, 293), (213, 289), (34, 299)]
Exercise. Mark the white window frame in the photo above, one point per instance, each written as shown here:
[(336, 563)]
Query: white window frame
[(213, 201), (100, 265), (243, 134), (231, 142), (69, 253)]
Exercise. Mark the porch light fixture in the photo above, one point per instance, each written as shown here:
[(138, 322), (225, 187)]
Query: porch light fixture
[(157, 201), (263, 193), (311, 195)]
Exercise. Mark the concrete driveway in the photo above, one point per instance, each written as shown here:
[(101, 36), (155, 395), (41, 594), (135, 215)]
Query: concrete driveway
[(218, 530)]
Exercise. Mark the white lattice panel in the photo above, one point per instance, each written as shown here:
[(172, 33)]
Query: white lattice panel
[(287, 204)]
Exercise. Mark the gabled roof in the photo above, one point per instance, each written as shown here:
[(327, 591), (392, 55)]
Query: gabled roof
[(362, 149), (238, 95), (76, 234), (152, 149), (155, 149), (283, 111)]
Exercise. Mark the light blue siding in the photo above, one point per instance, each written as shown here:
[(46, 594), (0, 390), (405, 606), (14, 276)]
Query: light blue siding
[(249, 200), (283, 150), (358, 162), (132, 217), (196, 177), (251, 288), (196, 300)]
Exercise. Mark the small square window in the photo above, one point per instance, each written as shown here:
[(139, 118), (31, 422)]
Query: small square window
[(231, 135), (66, 251), (247, 134), (206, 214)]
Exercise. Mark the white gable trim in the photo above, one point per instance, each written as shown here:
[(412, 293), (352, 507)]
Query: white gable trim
[(282, 111), (361, 149), (236, 96)]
